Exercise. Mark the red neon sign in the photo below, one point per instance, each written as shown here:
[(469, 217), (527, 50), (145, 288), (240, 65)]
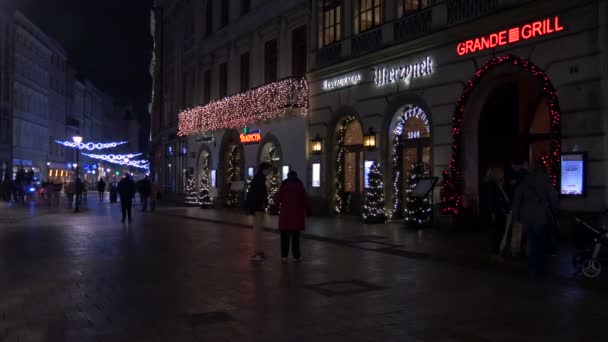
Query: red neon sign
[(250, 137), (513, 35)]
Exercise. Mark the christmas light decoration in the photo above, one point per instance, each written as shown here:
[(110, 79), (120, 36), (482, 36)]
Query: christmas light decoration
[(91, 146), (451, 186), (204, 198), (373, 207), (418, 211), (191, 198), (232, 197), (267, 102), (409, 112), (342, 198), (274, 182), (121, 159)]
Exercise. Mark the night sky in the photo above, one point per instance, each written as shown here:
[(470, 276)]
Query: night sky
[(108, 41)]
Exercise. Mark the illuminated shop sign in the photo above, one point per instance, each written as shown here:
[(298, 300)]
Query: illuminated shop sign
[(413, 113), (341, 82), (509, 36), (250, 137), (204, 139), (404, 73)]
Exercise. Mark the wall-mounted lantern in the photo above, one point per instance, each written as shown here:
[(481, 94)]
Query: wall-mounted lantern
[(316, 145), (369, 140)]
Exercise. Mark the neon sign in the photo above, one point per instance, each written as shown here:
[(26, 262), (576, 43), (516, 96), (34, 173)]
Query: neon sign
[(250, 137), (412, 113), (510, 36), (341, 82), (405, 73)]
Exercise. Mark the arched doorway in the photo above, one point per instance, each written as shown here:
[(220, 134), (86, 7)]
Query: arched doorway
[(508, 112), (231, 169), (270, 152), (349, 166), (203, 166), (410, 136)]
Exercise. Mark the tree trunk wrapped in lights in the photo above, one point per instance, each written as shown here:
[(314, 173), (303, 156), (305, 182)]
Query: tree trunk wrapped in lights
[(418, 211), (273, 184), (373, 207), (191, 198), (204, 197), (232, 197)]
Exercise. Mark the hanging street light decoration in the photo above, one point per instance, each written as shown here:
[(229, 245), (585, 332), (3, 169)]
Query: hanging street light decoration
[(90, 146), (121, 159), (267, 102)]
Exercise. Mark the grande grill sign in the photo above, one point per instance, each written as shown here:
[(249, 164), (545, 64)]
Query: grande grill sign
[(510, 36)]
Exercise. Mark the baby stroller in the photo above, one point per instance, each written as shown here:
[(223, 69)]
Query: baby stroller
[(589, 241)]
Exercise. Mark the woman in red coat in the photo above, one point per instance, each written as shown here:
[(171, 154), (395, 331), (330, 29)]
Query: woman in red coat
[(293, 202)]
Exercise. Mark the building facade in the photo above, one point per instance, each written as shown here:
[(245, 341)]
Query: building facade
[(6, 92), (242, 64), (460, 86)]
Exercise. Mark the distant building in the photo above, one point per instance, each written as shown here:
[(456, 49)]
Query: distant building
[(6, 92)]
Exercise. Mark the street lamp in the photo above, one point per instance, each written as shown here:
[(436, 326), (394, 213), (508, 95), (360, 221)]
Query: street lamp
[(77, 140)]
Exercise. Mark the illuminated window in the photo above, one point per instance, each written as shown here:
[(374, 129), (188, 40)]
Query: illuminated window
[(410, 6), (330, 21), (368, 14)]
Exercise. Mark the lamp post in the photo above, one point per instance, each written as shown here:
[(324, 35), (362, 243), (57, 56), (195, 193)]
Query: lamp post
[(77, 140)]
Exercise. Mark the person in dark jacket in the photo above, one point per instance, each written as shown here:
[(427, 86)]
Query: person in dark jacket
[(144, 192), (101, 188), (495, 206), (293, 205), (257, 200), (126, 191)]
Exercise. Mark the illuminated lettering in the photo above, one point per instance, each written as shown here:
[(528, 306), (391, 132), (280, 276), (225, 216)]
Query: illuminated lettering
[(513, 35), (405, 73), (341, 82), (250, 137)]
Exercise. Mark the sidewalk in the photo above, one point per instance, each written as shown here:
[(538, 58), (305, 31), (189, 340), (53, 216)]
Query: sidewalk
[(468, 249)]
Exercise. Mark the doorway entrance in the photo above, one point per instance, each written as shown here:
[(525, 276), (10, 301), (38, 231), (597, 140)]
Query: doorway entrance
[(349, 168)]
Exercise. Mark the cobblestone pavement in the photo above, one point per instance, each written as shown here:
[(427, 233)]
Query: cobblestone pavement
[(86, 277)]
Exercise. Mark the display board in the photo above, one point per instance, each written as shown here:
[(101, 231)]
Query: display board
[(424, 187), (316, 175), (573, 174), (367, 166)]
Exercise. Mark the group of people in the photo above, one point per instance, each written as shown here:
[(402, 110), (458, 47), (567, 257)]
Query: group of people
[(521, 212), (294, 207), (127, 188)]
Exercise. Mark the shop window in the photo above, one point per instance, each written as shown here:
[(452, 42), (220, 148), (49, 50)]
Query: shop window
[(406, 7), (368, 14), (207, 86), (270, 61), (225, 12), (223, 80), (245, 72), (330, 22), (298, 52), (245, 6), (209, 18)]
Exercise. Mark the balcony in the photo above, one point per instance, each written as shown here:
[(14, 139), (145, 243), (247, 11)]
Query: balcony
[(366, 42), (414, 25), (329, 54)]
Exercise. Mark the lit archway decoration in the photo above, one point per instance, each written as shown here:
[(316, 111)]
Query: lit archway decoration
[(90, 146), (121, 159), (451, 187)]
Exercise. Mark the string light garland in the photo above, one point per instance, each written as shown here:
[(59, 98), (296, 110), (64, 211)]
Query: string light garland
[(191, 197), (410, 112), (274, 184), (267, 102), (121, 159), (91, 146), (373, 206), (234, 157), (342, 198), (418, 212), (204, 198), (451, 186)]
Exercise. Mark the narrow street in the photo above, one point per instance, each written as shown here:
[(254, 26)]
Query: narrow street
[(87, 277)]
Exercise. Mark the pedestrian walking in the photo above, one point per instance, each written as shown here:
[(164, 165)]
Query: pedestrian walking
[(144, 192), (294, 206), (101, 188), (535, 206), (495, 208), (257, 200), (154, 192), (70, 191), (126, 192)]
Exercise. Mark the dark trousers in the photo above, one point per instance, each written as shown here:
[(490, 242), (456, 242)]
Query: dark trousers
[(498, 230), (294, 238), (101, 197), (125, 206), (144, 202), (536, 235)]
